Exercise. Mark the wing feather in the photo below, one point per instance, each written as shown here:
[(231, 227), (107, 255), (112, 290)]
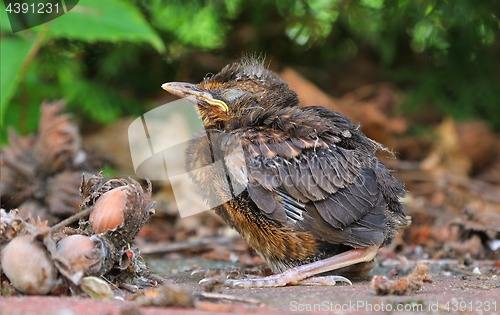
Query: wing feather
[(287, 185), (266, 150), (307, 182), (287, 150), (323, 190), (319, 176)]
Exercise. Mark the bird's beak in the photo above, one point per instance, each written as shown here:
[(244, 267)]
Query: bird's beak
[(194, 94)]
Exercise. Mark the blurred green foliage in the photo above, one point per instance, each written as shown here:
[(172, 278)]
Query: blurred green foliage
[(108, 58)]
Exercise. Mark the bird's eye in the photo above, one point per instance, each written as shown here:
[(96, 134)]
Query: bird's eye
[(232, 94)]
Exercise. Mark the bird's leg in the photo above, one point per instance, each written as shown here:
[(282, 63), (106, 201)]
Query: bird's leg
[(302, 274)]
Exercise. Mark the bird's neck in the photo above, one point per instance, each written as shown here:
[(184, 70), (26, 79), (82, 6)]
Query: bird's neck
[(256, 117)]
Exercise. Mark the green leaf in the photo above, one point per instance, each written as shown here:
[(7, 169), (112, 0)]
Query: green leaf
[(100, 103), (193, 25), (109, 20), (374, 4), (13, 52), (4, 20), (232, 7)]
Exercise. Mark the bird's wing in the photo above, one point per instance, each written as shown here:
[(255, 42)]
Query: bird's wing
[(310, 184)]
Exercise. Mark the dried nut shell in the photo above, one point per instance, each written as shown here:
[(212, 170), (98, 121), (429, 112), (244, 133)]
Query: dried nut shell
[(120, 208), (108, 210), (62, 196), (97, 288), (28, 266), (82, 254)]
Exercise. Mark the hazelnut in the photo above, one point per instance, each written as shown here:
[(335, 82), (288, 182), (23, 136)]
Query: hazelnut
[(82, 253), (109, 210), (120, 208), (28, 266)]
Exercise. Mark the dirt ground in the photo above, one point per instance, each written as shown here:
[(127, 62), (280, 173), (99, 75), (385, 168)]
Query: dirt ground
[(451, 292)]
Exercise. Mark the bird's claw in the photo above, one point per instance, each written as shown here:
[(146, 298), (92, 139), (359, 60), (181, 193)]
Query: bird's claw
[(198, 271), (324, 280), (232, 283), (342, 279), (206, 280)]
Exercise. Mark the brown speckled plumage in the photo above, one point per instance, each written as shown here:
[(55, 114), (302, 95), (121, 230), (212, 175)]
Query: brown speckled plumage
[(313, 185)]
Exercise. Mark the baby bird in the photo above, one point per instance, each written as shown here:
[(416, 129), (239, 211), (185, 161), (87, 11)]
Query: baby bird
[(306, 189)]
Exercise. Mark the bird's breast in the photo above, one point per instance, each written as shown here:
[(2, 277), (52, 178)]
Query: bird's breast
[(280, 245)]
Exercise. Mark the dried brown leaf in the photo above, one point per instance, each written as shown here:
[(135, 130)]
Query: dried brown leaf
[(58, 139), (167, 294), (404, 286)]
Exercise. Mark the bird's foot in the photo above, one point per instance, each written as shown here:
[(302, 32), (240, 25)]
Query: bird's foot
[(307, 274), (283, 279)]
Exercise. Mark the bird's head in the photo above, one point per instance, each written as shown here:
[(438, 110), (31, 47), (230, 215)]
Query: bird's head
[(235, 91)]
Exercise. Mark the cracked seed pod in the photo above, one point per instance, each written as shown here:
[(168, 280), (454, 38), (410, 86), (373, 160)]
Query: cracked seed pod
[(58, 140), (84, 253), (28, 161), (63, 198), (28, 266), (13, 225), (95, 186), (10, 225), (121, 208), (44, 168), (34, 208), (18, 165)]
